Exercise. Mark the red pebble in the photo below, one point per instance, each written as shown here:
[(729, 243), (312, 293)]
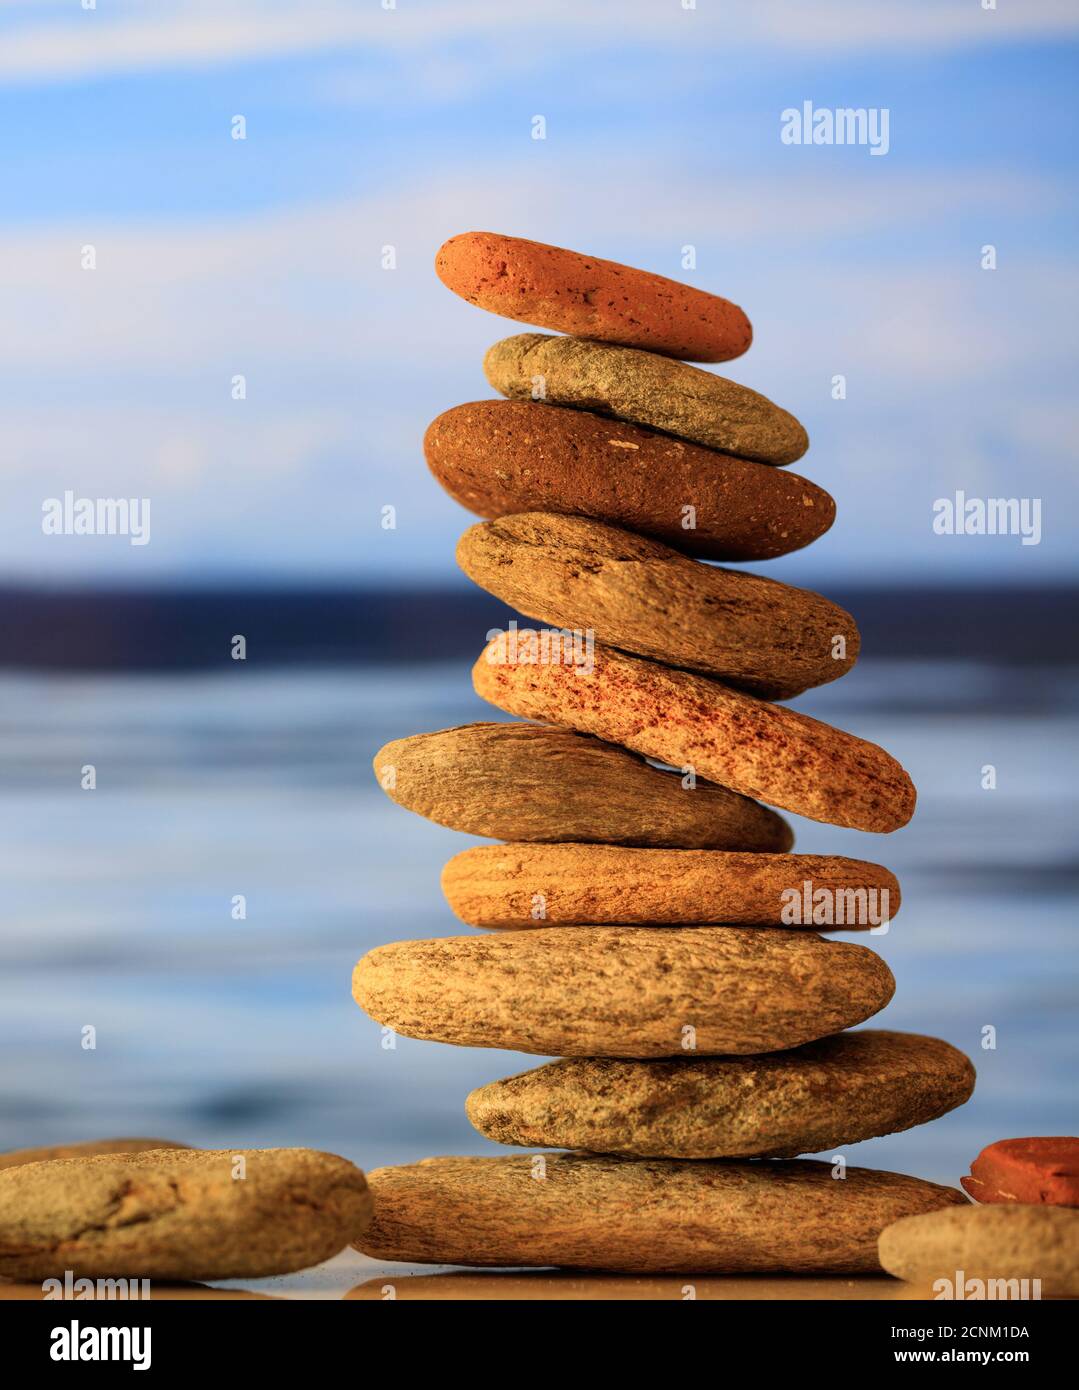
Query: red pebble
[(590, 297), (1032, 1171)]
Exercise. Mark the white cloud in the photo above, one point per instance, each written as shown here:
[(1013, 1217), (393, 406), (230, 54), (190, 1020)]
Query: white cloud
[(921, 24), (116, 39), (305, 285), (240, 487), (117, 382), (123, 445)]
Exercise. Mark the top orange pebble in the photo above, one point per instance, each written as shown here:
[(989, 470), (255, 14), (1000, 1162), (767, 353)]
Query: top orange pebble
[(592, 298)]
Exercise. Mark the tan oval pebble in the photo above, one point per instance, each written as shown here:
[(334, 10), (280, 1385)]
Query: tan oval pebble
[(595, 885), (531, 782), (574, 293), (499, 457), (761, 750), (588, 1211), (623, 991), (644, 389), (641, 596), (876, 1082), (987, 1242), (87, 1148), (179, 1214)]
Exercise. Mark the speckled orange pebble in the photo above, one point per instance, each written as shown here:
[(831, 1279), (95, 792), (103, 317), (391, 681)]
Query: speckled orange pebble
[(593, 298), (764, 751)]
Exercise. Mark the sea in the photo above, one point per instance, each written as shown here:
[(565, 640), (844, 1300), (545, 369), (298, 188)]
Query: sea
[(177, 939)]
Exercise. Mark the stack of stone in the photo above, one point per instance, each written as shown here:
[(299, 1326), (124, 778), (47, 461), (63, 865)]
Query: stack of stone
[(652, 929)]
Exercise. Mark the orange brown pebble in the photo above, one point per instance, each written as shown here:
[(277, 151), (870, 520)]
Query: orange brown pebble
[(1038, 1170), (499, 886), (501, 457), (593, 298)]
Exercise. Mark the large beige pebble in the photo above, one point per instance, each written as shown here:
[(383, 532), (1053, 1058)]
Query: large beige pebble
[(876, 1082), (179, 1214), (528, 885), (518, 781), (623, 991), (585, 1211), (987, 1242)]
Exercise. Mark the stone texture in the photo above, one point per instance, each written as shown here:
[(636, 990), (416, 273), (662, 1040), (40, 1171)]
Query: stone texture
[(89, 1148), (530, 782), (996, 1242), (820, 1096), (586, 1211), (623, 991), (573, 293), (644, 389), (500, 457), (179, 1214), (1040, 1170), (595, 885), (761, 750), (641, 596)]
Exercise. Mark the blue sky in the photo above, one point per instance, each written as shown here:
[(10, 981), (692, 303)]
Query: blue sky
[(368, 127)]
